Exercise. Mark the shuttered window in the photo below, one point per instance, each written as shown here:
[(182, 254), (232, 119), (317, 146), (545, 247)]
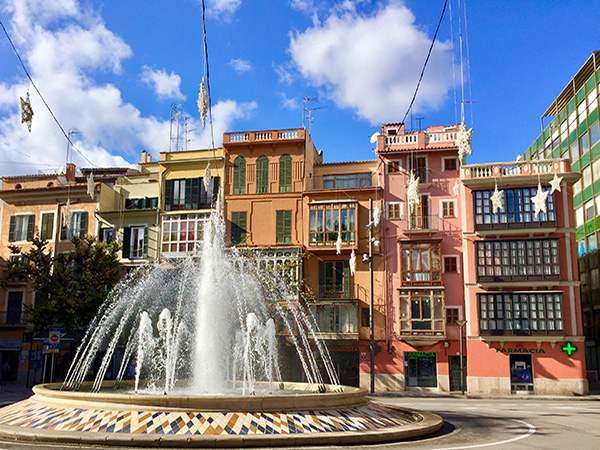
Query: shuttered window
[(21, 228), (47, 230), (238, 227), (262, 175), (77, 228), (190, 194), (239, 175), (284, 226), (285, 173)]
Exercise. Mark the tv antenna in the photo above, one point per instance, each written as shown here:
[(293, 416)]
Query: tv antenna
[(175, 117), (307, 112)]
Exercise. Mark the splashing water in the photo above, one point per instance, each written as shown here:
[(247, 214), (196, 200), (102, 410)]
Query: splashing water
[(204, 324)]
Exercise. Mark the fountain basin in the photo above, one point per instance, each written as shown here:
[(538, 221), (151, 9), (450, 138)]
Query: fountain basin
[(55, 416)]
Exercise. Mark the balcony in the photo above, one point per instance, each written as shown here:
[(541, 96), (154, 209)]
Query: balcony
[(263, 136), (336, 321), (329, 291), (516, 172), (420, 224)]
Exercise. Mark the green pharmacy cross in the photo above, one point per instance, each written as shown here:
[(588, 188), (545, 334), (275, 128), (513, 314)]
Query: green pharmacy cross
[(569, 349)]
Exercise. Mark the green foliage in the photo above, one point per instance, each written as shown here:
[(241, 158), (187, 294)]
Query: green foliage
[(70, 287)]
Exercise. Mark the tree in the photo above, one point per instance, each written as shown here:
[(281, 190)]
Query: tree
[(70, 287)]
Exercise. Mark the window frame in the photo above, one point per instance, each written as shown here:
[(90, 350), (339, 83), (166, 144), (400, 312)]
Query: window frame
[(318, 215), (26, 231), (283, 226), (357, 180), (135, 250), (199, 219), (431, 321), (450, 158), (443, 212), (408, 274), (388, 210), (450, 257), (395, 163), (285, 173), (262, 174), (52, 231)]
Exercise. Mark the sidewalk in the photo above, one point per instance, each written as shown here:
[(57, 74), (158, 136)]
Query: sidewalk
[(11, 394)]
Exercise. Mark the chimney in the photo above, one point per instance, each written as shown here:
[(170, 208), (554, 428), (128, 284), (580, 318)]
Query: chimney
[(70, 172), (144, 157)]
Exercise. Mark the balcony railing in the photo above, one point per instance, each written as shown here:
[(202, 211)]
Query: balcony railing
[(11, 318), (401, 139), (416, 223), (266, 135), (443, 136), (515, 168), (349, 291)]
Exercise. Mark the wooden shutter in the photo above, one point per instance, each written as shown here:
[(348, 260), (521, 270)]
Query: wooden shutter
[(47, 226), (196, 198), (216, 186), (145, 253), (284, 226), (346, 279), (262, 175), (126, 241), (285, 173), (30, 226), (63, 230), (83, 222), (12, 229), (321, 278), (239, 175), (168, 194), (238, 227)]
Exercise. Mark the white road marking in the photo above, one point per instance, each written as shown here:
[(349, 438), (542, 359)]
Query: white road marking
[(531, 430)]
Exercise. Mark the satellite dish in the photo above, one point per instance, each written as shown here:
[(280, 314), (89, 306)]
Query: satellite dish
[(374, 137)]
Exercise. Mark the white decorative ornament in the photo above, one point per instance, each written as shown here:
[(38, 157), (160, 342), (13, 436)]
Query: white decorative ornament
[(463, 141), (539, 201), (67, 213), (412, 192), (91, 186), (207, 178), (203, 102), (555, 183), (456, 188), (338, 244), (376, 215), (352, 263), (26, 111), (496, 200)]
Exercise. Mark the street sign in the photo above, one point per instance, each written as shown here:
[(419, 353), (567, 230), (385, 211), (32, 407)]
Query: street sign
[(53, 341)]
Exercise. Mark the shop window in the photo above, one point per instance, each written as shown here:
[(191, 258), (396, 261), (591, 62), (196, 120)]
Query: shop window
[(283, 226), (531, 259), (21, 228), (239, 175), (421, 312), (514, 313), (421, 369), (595, 278), (395, 210), (285, 173), (420, 263), (238, 227), (327, 221), (262, 175)]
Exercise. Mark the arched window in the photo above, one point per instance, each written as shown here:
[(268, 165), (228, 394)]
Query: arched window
[(285, 173), (262, 175), (239, 175)]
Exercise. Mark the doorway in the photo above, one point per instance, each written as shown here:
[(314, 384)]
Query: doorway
[(521, 374), (421, 370), (454, 362)]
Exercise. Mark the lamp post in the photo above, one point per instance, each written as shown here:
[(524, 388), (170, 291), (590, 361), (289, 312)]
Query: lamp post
[(371, 319), (461, 324)]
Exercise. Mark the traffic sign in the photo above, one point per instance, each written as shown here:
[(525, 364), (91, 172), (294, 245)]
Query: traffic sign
[(53, 341)]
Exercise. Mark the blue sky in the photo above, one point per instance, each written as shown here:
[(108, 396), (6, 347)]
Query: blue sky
[(112, 69)]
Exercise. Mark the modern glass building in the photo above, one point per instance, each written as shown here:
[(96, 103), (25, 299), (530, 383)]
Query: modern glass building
[(572, 131)]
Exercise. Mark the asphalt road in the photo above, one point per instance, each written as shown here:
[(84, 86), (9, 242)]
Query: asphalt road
[(489, 424)]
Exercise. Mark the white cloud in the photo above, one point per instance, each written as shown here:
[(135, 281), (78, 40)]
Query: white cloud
[(369, 71), (291, 104), (304, 6), (165, 86), (222, 8), (240, 65), (283, 74)]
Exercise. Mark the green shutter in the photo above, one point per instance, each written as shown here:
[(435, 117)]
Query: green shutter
[(30, 226), (279, 224), (168, 194), (195, 200), (284, 226), (83, 221), (262, 175), (288, 226), (12, 229), (145, 255), (346, 279), (63, 230), (321, 278), (285, 173), (47, 226), (238, 227), (216, 186), (189, 187), (239, 175), (126, 241)]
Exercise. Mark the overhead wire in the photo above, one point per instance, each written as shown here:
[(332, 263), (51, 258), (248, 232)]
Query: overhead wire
[(41, 96)]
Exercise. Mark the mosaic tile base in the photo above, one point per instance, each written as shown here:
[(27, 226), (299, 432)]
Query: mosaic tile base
[(34, 415)]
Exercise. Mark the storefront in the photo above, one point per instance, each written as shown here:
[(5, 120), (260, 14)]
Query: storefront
[(421, 369)]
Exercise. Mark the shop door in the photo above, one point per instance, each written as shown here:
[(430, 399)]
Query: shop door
[(421, 370), (521, 374), (454, 362)]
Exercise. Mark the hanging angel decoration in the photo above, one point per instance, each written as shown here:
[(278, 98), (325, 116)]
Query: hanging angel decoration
[(91, 186), (463, 142), (376, 215), (26, 111), (203, 102), (352, 263), (67, 213), (207, 178), (412, 192), (338, 244)]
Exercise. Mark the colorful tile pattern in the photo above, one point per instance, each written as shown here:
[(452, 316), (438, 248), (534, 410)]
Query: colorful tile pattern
[(30, 414)]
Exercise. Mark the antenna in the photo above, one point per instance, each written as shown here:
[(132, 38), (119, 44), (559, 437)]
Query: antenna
[(419, 120), (70, 134), (174, 115), (305, 100), (187, 131)]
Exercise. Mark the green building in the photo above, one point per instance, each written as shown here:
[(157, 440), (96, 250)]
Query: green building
[(571, 130)]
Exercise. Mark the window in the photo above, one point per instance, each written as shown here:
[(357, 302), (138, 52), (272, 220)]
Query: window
[(283, 226), (520, 313), (47, 231), (181, 233), (238, 227), (450, 264), (594, 134), (21, 228), (149, 202), (14, 307), (334, 279), (395, 210), (589, 210), (327, 221), (107, 235), (239, 175), (393, 166), (365, 320), (335, 318), (347, 181), (420, 263), (448, 208), (421, 312), (449, 164), (591, 239), (186, 194), (79, 222), (452, 316), (262, 175), (518, 209), (419, 167), (585, 143), (285, 173), (135, 242), (419, 218), (531, 259)]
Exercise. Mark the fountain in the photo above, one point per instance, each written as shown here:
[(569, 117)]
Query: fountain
[(197, 347)]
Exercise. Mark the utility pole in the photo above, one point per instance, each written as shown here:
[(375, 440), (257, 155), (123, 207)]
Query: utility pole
[(461, 324), (371, 319)]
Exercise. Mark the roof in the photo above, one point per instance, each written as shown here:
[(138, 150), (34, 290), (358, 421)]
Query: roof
[(348, 162)]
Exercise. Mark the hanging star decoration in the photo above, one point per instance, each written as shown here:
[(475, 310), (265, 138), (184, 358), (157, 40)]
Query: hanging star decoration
[(352, 263), (412, 192), (207, 177), (338, 244), (555, 183), (456, 188), (67, 213), (539, 201), (26, 111), (203, 102), (376, 215), (91, 186), (463, 141), (497, 200)]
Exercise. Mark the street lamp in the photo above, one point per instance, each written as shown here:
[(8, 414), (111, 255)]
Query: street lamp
[(373, 347), (461, 324)]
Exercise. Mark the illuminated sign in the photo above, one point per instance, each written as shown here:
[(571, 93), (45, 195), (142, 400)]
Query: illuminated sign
[(520, 350), (420, 354), (569, 349)]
